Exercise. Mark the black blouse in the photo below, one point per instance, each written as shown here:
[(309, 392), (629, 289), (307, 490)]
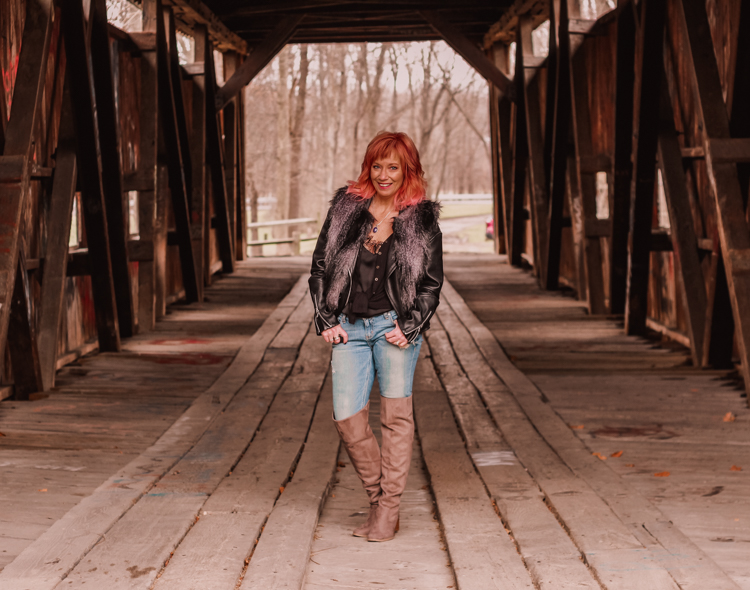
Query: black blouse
[(369, 297)]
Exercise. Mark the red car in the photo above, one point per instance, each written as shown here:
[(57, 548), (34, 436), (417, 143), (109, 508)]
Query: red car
[(489, 228)]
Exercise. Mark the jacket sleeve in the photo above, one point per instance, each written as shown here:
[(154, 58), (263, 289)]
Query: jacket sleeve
[(323, 318), (428, 293)]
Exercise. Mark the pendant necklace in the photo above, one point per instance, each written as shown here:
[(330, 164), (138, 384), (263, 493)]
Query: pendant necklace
[(375, 229)]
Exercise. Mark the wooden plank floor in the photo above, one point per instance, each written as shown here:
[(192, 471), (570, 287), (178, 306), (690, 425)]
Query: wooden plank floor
[(522, 406), (106, 409), (625, 394)]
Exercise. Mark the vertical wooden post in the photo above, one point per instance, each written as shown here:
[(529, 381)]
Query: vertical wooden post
[(689, 274), (650, 41), (198, 156), (147, 168), (56, 249), (585, 181), (215, 159), (229, 114), (723, 178), (109, 144), (557, 136), (622, 165), (537, 177), (241, 246), (517, 223), (170, 126), (92, 190), (504, 113), (19, 148)]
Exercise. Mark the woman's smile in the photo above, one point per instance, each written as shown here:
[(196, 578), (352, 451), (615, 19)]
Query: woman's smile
[(387, 175)]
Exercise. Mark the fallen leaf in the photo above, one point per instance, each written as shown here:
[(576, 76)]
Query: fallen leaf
[(3, 434), (341, 464), (629, 464), (616, 454), (600, 456), (735, 468), (729, 417), (42, 490), (662, 474), (576, 426), (281, 490)]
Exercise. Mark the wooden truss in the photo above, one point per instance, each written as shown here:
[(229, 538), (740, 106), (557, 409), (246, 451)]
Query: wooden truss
[(583, 173), (68, 89)]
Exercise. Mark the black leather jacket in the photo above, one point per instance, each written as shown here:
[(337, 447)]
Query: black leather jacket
[(415, 263)]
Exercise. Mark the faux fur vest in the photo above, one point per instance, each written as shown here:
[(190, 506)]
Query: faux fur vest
[(350, 223)]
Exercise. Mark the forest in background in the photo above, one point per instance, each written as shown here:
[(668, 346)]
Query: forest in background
[(312, 111)]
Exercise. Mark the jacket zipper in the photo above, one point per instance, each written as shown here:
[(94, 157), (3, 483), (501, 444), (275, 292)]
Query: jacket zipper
[(317, 311), (424, 321)]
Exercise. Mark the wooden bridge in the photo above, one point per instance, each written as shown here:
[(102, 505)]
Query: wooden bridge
[(581, 400)]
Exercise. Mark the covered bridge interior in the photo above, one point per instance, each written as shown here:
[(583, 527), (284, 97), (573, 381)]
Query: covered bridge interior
[(605, 344)]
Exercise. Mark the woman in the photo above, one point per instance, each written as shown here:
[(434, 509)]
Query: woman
[(377, 271)]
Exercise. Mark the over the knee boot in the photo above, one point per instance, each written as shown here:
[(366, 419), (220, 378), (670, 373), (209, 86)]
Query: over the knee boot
[(363, 450), (398, 435)]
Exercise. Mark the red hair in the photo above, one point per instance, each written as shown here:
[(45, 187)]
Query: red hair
[(413, 190)]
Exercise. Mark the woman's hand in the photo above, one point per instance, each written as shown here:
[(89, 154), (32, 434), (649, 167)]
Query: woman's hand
[(396, 337), (335, 335)]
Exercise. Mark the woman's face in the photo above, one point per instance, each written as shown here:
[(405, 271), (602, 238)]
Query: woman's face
[(387, 175)]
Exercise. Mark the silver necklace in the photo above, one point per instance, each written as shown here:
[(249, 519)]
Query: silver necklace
[(375, 229)]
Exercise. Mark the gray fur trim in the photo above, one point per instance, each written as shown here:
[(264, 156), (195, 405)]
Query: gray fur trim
[(350, 223)]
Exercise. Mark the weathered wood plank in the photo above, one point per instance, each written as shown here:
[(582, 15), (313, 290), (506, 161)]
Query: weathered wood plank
[(215, 162), (622, 165), (557, 138), (178, 172), (148, 113), (281, 557), (689, 275), (481, 551), (198, 200), (89, 158), (520, 157), (53, 555), (723, 179), (641, 519), (58, 235), (17, 154), (538, 185), (108, 127), (550, 555), (650, 42)]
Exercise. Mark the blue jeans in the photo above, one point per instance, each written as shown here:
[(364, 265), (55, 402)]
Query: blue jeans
[(367, 351)]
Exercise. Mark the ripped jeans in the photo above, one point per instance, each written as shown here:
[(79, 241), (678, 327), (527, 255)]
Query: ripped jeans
[(367, 352)]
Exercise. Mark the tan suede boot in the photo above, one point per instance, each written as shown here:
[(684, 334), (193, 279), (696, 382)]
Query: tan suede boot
[(363, 450), (397, 421)]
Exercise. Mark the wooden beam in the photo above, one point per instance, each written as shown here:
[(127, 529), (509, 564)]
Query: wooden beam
[(718, 341), (215, 161), (15, 163), (240, 249), (711, 111), (22, 344), (175, 74), (198, 230), (193, 13), (622, 166), (517, 214), (52, 299), (258, 59), (689, 275), (108, 125), (170, 124), (470, 52), (557, 140), (504, 156), (229, 134), (92, 191), (650, 39), (538, 186), (585, 198), (504, 30)]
